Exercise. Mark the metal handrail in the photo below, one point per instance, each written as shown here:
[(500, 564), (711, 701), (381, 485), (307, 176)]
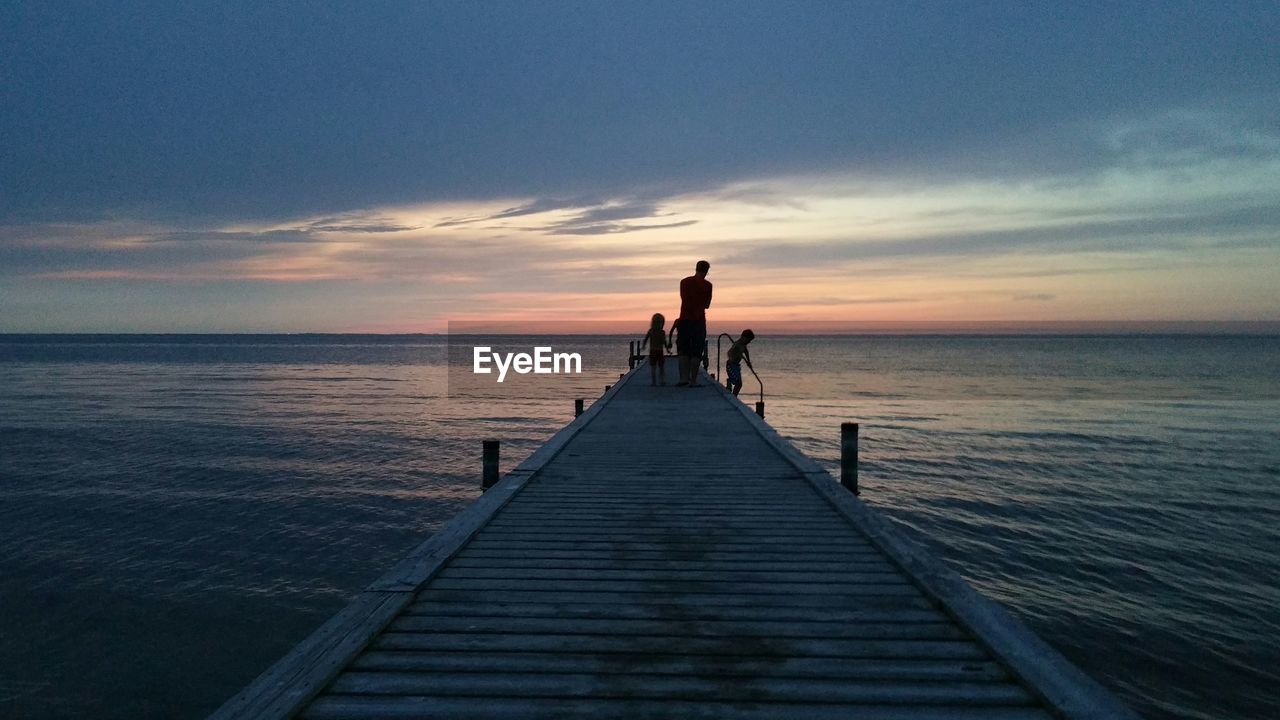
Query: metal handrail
[(731, 341)]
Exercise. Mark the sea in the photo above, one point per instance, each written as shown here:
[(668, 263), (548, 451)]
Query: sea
[(178, 511)]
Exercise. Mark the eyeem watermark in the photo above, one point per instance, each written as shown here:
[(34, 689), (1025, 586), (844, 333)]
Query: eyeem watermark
[(500, 361), (543, 361)]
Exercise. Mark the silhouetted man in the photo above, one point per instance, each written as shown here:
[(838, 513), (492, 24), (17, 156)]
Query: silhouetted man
[(695, 298)]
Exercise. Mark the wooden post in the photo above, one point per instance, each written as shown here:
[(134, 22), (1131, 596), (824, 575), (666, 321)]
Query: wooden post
[(606, 388), (577, 407), (631, 355), (490, 475), (849, 456), (760, 408)]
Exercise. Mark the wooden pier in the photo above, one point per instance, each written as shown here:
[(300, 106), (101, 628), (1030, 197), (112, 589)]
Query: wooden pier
[(668, 555)]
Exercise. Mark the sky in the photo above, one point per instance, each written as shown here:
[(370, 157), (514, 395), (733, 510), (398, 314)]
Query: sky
[(392, 167)]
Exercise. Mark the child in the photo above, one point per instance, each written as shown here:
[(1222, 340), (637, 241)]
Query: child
[(733, 362), (658, 344)]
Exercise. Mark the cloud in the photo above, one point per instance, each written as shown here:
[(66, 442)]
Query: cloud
[(541, 205), (829, 245), (287, 112), (356, 224), (1182, 135), (266, 237), (603, 219), (792, 227), (1148, 234), (617, 211), (613, 228), (590, 217)]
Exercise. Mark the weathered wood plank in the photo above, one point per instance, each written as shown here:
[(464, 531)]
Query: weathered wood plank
[(545, 501), (671, 547), (784, 484), (682, 645), (944, 630), (606, 475), (666, 575), (539, 495), (517, 585), (657, 611), (558, 503), (376, 707), (693, 499), (738, 514), (703, 665), (693, 687), (649, 528), (482, 549), (663, 525), (608, 562), (763, 536), (570, 464), (790, 487), (611, 510), (692, 505), (709, 599), (699, 628)]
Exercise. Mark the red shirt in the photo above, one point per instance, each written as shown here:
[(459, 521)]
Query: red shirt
[(695, 298)]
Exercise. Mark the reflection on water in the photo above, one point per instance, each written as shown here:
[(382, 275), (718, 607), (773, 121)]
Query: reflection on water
[(182, 510)]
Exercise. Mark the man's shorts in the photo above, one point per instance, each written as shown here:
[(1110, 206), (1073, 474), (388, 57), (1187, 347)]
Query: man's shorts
[(734, 371), (692, 335)]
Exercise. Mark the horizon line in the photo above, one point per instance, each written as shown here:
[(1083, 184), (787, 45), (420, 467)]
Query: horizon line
[(775, 328)]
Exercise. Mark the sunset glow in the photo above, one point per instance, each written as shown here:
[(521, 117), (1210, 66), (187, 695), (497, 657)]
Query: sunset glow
[(1160, 207)]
